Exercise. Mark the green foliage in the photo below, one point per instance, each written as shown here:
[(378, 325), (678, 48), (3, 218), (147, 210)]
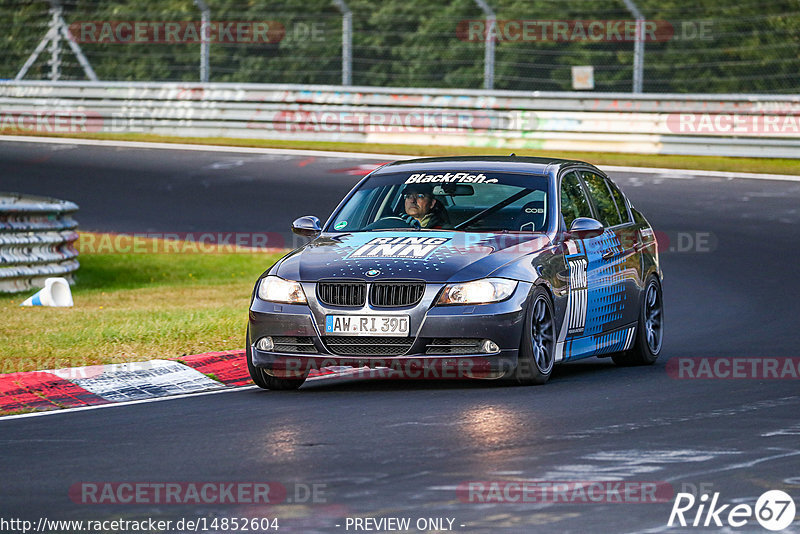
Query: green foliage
[(720, 46), (135, 307)]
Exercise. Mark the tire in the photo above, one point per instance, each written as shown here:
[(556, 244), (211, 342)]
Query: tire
[(538, 344), (649, 328), (265, 380)]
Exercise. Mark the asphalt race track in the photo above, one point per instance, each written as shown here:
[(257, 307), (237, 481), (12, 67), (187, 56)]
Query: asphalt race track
[(402, 448)]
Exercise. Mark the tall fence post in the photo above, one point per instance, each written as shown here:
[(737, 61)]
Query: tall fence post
[(347, 42), (55, 42), (57, 29), (205, 23), (488, 44), (638, 46)]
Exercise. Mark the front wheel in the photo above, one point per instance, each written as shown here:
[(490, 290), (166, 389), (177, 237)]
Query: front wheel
[(649, 329), (265, 380), (537, 349)]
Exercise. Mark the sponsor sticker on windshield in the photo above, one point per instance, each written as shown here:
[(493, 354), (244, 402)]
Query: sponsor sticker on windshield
[(415, 248), (450, 178)]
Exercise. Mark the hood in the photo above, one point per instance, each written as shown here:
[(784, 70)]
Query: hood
[(433, 256)]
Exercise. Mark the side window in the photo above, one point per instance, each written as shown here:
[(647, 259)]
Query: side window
[(606, 209), (622, 207), (573, 200)]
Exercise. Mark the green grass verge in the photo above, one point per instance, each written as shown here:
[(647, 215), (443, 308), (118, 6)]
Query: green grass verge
[(135, 307), (17, 412), (708, 163)]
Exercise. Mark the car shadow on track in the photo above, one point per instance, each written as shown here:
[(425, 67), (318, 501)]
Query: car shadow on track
[(587, 371)]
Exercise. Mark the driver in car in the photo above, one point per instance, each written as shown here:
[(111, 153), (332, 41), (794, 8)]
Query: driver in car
[(423, 210)]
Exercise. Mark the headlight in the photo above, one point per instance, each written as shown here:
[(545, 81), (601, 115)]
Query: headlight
[(276, 289), (477, 292)]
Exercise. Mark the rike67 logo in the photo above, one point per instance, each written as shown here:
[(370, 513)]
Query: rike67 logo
[(774, 510)]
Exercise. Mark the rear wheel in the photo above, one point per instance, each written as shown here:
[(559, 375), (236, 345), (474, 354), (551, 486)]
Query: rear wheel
[(537, 350), (649, 329), (265, 380)]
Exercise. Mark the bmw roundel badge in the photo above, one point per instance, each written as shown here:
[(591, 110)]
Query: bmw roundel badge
[(373, 272)]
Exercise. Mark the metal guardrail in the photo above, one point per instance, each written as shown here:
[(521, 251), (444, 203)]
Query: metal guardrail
[(37, 236), (720, 125)]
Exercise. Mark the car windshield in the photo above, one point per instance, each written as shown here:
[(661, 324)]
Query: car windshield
[(456, 200)]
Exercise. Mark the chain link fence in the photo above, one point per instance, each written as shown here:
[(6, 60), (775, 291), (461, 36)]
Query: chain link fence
[(686, 47)]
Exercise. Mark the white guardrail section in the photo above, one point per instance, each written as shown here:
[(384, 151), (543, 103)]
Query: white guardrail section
[(37, 236), (720, 125)]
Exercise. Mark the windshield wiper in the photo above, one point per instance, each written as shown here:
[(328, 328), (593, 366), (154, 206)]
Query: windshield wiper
[(492, 209)]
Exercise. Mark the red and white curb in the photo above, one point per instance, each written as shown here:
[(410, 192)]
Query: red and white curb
[(124, 382)]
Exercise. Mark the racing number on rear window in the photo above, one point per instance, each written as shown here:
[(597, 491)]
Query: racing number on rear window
[(606, 208), (573, 200)]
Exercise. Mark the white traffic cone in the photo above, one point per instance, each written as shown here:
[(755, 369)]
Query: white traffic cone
[(54, 293)]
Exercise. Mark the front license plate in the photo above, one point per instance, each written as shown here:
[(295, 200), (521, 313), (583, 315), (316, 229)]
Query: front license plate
[(367, 325)]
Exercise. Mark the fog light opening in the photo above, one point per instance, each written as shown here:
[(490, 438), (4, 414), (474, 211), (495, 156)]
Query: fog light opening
[(265, 344), (489, 347)]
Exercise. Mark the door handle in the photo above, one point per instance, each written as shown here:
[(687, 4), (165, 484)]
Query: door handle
[(608, 254)]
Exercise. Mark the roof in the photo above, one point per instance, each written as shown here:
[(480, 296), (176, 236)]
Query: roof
[(520, 164)]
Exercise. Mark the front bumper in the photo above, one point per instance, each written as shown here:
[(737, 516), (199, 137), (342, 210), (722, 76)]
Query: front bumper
[(500, 322)]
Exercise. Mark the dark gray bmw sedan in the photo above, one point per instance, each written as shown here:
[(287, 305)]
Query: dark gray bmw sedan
[(474, 267)]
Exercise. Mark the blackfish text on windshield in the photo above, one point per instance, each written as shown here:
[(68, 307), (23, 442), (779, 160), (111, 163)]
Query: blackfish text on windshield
[(450, 178)]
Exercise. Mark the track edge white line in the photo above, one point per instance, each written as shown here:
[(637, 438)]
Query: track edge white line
[(221, 389), (364, 155)]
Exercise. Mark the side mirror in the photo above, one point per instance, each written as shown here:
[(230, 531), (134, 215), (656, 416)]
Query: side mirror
[(585, 228), (307, 226)]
